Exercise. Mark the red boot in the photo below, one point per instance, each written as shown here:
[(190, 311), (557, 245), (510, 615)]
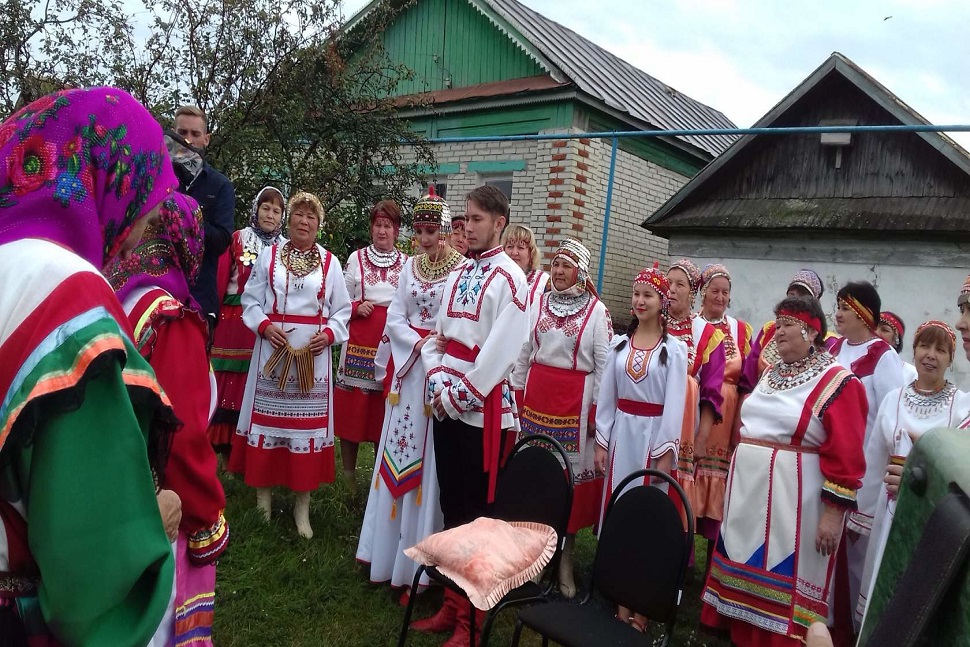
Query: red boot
[(463, 630), (446, 617)]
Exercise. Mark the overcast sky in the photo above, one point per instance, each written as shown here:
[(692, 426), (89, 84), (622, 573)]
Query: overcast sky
[(742, 56)]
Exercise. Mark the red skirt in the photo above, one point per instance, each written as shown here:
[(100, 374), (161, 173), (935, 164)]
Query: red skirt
[(358, 415), (232, 349), (743, 634), (279, 466), (553, 405)]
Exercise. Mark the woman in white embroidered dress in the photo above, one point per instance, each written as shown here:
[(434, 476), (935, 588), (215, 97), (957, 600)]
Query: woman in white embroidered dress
[(929, 402), (372, 276), (519, 243), (559, 369), (402, 507), (297, 304), (880, 369), (640, 407), (792, 478)]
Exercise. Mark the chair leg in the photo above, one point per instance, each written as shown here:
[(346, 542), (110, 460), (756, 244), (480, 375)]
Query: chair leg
[(487, 625), (517, 633), (410, 608)]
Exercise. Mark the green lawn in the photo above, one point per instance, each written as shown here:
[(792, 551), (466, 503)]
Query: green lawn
[(275, 588)]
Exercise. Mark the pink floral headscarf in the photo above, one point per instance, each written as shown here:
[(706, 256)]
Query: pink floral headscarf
[(79, 167), (168, 255)]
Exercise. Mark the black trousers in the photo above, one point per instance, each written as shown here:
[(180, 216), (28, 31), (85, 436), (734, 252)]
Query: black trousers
[(461, 480)]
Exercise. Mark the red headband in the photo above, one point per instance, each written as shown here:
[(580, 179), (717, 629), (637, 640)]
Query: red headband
[(935, 323), (812, 322), (868, 316), (893, 321)]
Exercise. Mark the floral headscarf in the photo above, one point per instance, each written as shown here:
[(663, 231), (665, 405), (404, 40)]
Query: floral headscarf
[(273, 236), (168, 255), (79, 167)]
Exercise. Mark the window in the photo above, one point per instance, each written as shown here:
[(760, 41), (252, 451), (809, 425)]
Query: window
[(501, 181)]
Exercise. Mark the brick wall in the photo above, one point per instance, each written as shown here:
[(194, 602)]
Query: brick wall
[(562, 192)]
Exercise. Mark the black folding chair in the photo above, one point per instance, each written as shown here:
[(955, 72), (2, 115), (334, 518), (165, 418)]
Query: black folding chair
[(641, 561), (533, 486)]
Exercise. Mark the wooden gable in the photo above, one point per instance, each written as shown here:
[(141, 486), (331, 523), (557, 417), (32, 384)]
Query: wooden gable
[(450, 44), (887, 182)]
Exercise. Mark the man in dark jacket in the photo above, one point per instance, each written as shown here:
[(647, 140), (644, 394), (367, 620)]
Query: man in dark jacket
[(217, 198)]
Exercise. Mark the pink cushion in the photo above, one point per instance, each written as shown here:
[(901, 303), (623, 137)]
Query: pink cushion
[(488, 558)]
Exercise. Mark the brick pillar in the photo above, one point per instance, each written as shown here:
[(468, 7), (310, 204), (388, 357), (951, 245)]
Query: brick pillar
[(567, 182)]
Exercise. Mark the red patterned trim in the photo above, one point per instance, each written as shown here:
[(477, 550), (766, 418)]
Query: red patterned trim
[(866, 365), (286, 422), (263, 326)]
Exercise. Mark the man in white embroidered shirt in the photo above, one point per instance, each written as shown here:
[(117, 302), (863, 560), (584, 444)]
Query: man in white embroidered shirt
[(481, 327)]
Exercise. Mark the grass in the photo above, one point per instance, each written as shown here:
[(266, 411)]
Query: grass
[(275, 588)]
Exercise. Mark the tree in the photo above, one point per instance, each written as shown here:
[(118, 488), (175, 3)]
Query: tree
[(291, 99)]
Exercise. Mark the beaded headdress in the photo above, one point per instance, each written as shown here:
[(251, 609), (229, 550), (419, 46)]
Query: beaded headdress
[(301, 198), (693, 273), (711, 272), (892, 320), (574, 253), (964, 293), (935, 323), (809, 280), (433, 210), (386, 209), (656, 279), (803, 319), (864, 313)]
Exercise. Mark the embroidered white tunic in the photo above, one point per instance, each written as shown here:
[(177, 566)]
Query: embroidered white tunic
[(902, 419), (406, 449), (485, 310), (271, 418), (576, 339), (538, 282), (635, 375), (880, 369)]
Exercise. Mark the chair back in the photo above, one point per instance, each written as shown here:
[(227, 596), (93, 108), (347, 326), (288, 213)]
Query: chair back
[(643, 551), (534, 485)]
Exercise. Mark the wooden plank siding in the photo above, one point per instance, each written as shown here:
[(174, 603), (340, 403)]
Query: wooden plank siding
[(448, 43), (887, 181)]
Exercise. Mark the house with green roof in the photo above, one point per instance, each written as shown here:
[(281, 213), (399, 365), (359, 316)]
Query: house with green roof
[(496, 67)]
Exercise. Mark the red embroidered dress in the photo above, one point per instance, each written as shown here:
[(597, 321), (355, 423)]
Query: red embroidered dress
[(371, 275)]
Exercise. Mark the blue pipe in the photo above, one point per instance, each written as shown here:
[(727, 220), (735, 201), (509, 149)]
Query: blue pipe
[(606, 218), (700, 132)]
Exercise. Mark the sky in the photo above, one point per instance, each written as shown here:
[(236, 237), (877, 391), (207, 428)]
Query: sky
[(743, 56)]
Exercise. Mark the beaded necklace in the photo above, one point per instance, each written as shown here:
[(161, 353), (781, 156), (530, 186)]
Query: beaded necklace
[(782, 376), (380, 259), (300, 263), (433, 271), (925, 405)]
